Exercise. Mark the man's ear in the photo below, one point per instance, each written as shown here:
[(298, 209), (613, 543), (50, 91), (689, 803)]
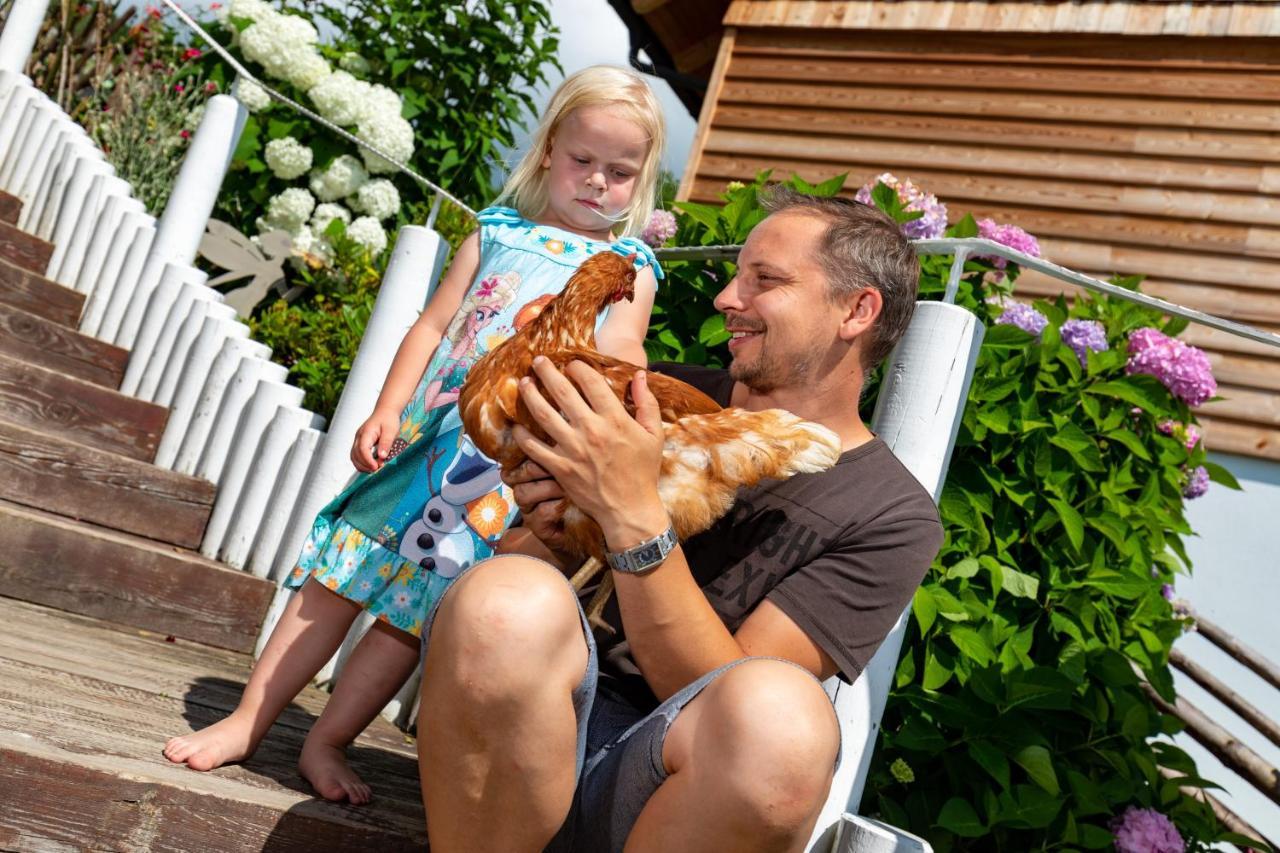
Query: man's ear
[(863, 309)]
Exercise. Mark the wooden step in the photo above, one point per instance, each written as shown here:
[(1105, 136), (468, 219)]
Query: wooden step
[(38, 295), (49, 472), (28, 337), (87, 709), (55, 404), (10, 207), (26, 250), (86, 569)]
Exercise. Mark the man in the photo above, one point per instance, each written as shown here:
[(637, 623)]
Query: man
[(673, 733)]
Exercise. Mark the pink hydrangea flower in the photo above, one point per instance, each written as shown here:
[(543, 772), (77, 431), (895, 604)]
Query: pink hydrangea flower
[(1007, 235), (1188, 434), (1183, 369), (1146, 831), (661, 228), (928, 226)]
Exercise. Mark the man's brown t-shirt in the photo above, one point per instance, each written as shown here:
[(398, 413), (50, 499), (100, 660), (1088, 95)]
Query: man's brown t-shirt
[(840, 552)]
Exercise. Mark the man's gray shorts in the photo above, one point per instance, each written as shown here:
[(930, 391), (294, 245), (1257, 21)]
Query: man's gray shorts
[(619, 753)]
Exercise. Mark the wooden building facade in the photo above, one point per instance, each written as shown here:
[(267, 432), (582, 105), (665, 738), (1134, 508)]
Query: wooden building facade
[(1130, 137)]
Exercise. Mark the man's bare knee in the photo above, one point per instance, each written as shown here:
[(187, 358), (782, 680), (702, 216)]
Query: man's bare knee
[(509, 619), (769, 736)]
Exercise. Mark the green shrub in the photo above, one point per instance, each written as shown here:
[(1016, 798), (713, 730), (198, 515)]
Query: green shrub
[(1018, 720)]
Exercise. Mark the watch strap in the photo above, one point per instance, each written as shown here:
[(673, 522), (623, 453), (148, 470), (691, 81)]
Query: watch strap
[(647, 555)]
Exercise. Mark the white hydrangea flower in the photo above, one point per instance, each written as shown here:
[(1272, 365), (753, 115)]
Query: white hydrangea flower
[(254, 10), (290, 209), (390, 134), (353, 62), (340, 97), (311, 246), (379, 199), (308, 69), (294, 29), (287, 158), (249, 93), (344, 176), (379, 102), (368, 233), (326, 213)]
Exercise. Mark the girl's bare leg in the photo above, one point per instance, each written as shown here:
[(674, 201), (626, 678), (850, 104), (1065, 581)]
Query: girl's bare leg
[(312, 627), (380, 664)]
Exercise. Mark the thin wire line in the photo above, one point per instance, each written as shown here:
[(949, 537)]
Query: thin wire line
[(321, 120)]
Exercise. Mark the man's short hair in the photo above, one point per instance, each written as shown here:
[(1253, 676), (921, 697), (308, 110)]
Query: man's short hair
[(862, 248)]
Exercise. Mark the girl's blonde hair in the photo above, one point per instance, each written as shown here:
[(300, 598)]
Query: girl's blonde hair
[(597, 86)]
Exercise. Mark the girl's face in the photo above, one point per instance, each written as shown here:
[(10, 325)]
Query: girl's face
[(592, 168)]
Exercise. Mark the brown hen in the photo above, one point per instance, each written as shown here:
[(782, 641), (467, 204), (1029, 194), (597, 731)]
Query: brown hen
[(708, 452)]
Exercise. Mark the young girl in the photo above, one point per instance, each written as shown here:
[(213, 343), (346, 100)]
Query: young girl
[(428, 504)]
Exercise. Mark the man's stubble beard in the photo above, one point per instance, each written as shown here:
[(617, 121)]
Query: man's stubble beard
[(767, 373)]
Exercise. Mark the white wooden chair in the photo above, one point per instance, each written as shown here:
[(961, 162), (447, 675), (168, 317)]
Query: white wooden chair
[(917, 414)]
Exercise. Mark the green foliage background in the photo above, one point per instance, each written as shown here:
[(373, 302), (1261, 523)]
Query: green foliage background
[(1018, 719)]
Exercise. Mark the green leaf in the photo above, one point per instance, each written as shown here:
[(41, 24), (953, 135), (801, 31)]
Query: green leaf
[(972, 644), (1071, 521), (1039, 766), (1039, 688), (1019, 584), (1145, 392), (712, 332), (959, 817), (966, 568), (1130, 441), (924, 608), (1006, 337), (1218, 474), (1083, 449), (991, 759), (936, 672)]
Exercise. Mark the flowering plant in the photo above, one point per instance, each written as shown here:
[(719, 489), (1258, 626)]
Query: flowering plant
[(1016, 720)]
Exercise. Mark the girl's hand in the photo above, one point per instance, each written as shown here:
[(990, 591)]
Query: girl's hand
[(373, 441), (606, 461)]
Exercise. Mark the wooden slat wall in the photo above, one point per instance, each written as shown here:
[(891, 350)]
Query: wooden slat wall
[(1123, 154)]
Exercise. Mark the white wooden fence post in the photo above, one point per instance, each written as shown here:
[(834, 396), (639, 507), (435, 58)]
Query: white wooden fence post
[(190, 292), (26, 144), (284, 495), (72, 143), (60, 139), (21, 28), (224, 366), (105, 231), (131, 238), (20, 92), (162, 298), (245, 381), (58, 197), (213, 332), (268, 398), (918, 413), (188, 332), (267, 465), (101, 188), (187, 212)]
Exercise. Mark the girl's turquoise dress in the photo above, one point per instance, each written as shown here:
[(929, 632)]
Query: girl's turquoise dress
[(395, 539)]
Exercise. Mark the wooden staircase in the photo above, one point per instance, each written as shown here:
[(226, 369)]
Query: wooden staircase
[(117, 634)]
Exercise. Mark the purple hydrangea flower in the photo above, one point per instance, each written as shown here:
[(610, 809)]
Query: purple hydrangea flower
[(1084, 336), (1146, 831), (1167, 591), (1188, 434), (1007, 235), (1024, 317), (928, 226), (1197, 483), (660, 229), (1183, 369)]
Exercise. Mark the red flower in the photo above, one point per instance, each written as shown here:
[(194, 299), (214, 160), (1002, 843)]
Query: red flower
[(179, 88), (211, 87), (192, 53), (154, 12), (186, 134), (215, 5)]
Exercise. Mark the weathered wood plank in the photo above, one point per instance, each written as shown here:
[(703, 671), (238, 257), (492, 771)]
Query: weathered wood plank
[(1247, 306), (37, 295), (1159, 112), (10, 207), (799, 142), (25, 250), (54, 403), (96, 572), (49, 472), (30, 338), (1028, 131), (1247, 439), (782, 63)]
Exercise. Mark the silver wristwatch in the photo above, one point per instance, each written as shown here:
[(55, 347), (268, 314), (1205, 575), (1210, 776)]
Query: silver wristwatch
[(649, 554)]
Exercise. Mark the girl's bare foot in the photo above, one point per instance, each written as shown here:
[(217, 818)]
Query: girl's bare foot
[(325, 767), (223, 742)]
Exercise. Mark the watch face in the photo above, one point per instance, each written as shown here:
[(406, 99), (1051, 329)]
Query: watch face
[(648, 554)]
